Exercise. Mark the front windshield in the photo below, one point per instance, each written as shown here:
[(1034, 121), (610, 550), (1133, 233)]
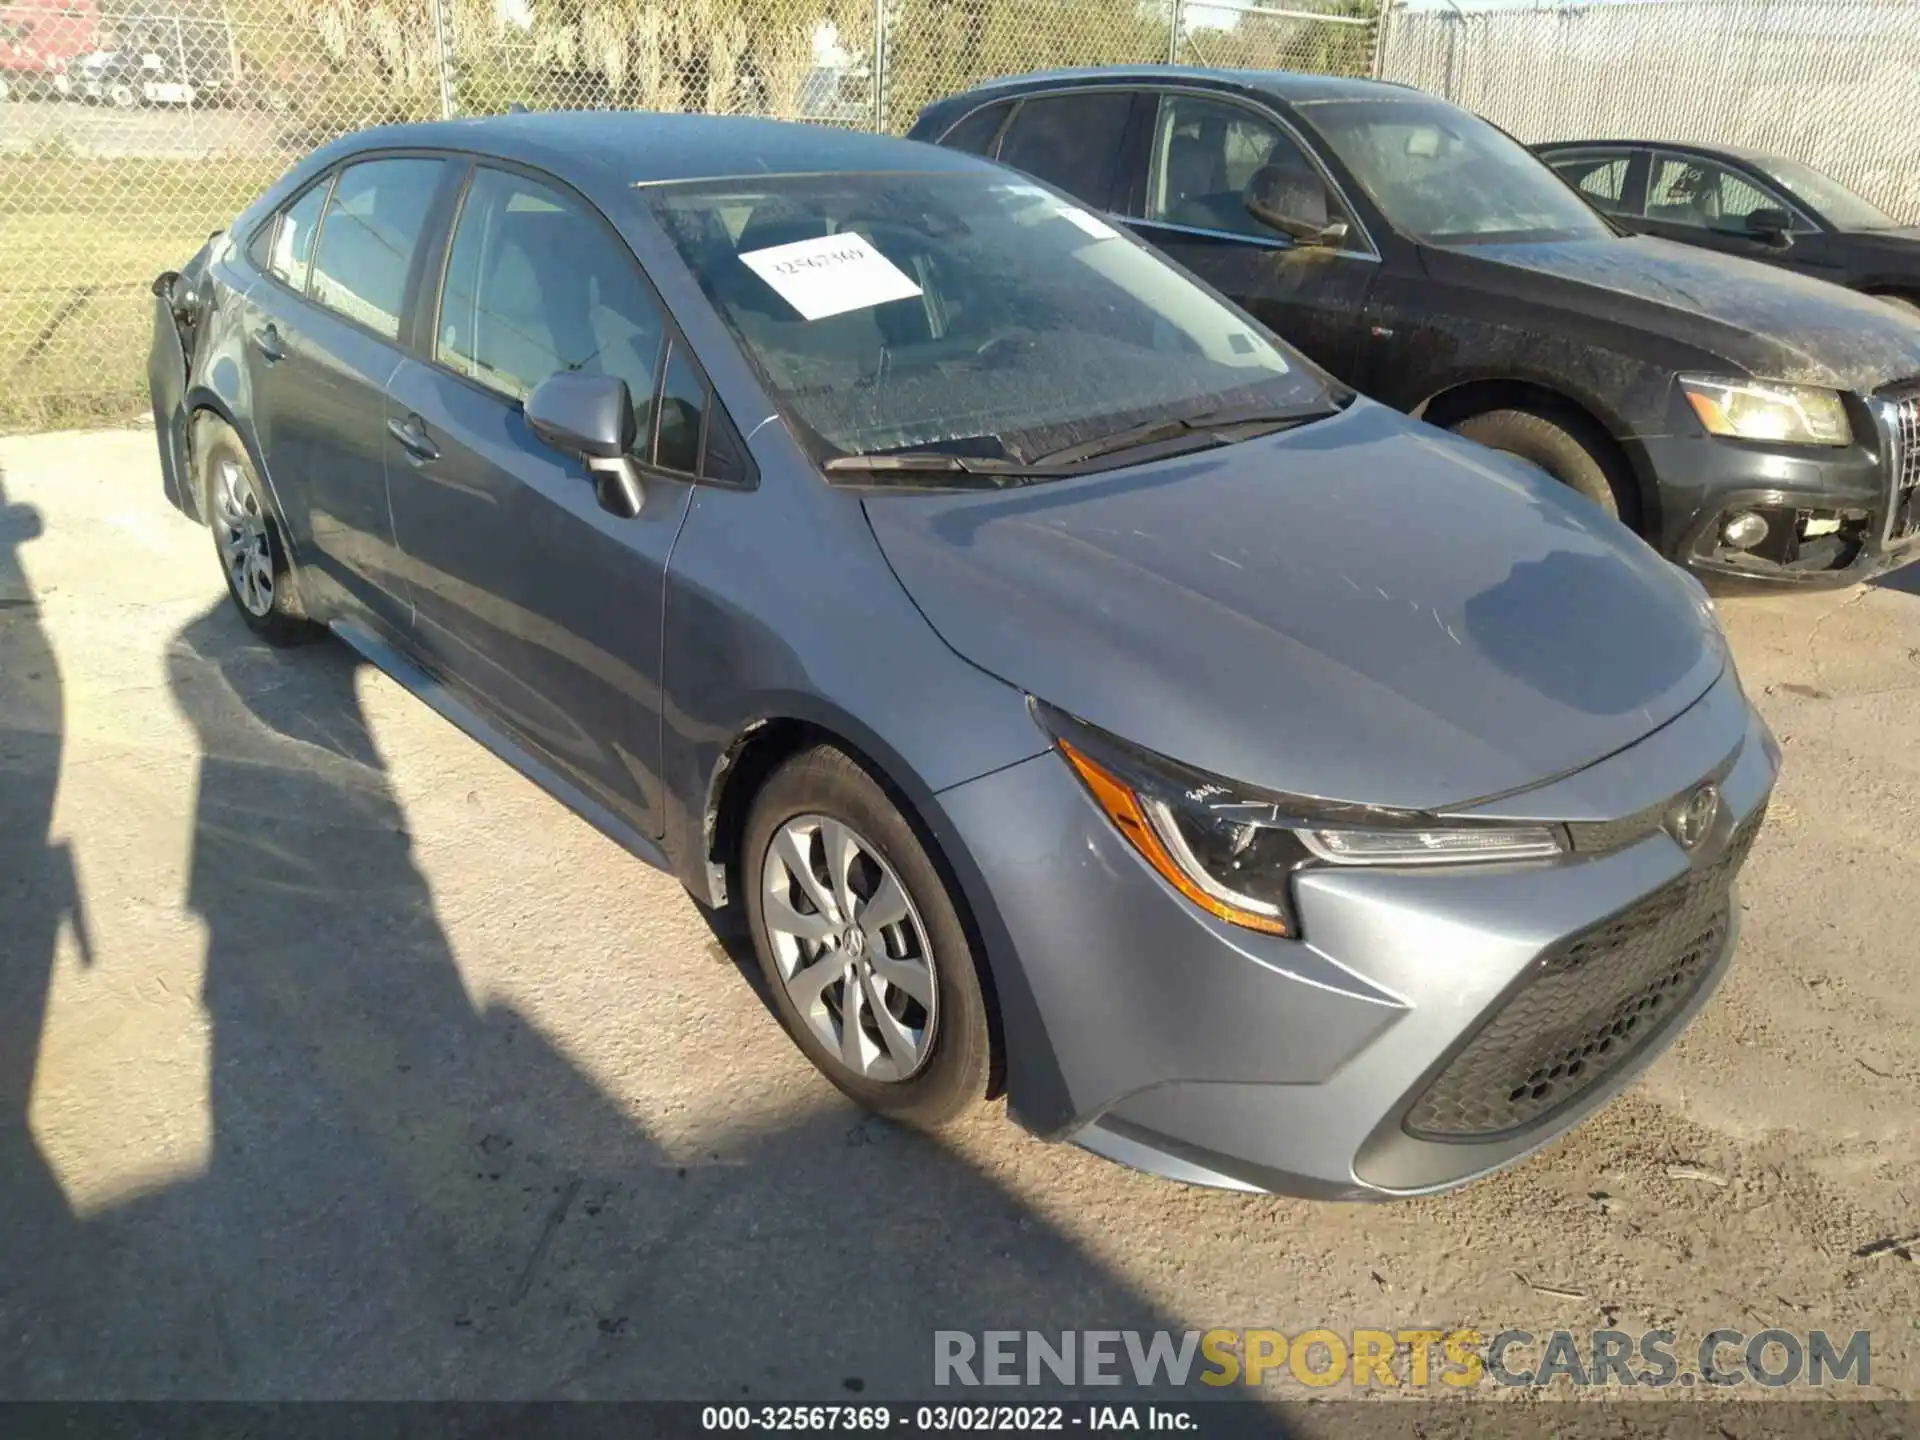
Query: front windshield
[(1447, 177), (966, 313), (1842, 208)]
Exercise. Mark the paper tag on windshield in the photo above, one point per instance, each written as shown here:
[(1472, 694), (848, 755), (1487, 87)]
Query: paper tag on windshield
[(831, 275), (1092, 224)]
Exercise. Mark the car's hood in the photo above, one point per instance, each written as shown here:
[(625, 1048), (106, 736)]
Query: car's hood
[(1770, 322), (1365, 609), (1902, 244)]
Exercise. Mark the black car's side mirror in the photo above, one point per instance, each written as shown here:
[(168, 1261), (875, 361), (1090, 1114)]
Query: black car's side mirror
[(1293, 200), (1773, 225), (591, 416)]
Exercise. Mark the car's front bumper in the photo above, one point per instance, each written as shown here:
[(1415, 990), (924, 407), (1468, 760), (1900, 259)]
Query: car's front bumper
[(1153, 1034), (1833, 516)]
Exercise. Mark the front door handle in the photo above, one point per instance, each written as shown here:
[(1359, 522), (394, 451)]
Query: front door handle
[(267, 341), (412, 435)]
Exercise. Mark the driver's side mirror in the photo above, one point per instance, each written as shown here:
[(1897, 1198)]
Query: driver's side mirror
[(1771, 224), (1293, 200), (591, 416)]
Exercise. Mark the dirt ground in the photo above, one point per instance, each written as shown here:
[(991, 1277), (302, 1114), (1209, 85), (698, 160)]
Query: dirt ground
[(338, 1060)]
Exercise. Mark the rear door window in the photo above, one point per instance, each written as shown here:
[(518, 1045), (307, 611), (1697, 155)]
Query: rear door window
[(1600, 176), (368, 237), (285, 246), (978, 131), (1072, 141)]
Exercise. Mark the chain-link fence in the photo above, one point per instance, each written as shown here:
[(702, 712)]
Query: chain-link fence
[(131, 129), (1835, 83)]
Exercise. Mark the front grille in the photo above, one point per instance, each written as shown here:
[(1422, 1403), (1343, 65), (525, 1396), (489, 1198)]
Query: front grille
[(1902, 414), (1586, 1008)]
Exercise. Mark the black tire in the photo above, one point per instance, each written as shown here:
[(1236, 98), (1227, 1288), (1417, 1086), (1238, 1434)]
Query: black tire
[(954, 1076), (284, 620), (1562, 447)]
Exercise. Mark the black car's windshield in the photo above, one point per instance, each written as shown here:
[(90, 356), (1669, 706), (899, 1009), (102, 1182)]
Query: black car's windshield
[(969, 314), (1842, 208), (1447, 177)]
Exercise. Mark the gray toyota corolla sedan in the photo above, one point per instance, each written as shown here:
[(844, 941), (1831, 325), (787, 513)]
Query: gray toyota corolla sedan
[(1080, 694)]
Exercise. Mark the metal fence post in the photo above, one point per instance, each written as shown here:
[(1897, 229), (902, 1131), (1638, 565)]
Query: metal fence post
[(879, 82), (442, 36), (1382, 22), (1173, 32)]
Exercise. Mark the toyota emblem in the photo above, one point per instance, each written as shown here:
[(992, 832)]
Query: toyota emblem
[(1693, 817)]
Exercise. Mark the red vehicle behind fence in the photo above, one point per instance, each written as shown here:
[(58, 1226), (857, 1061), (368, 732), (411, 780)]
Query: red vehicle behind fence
[(39, 39)]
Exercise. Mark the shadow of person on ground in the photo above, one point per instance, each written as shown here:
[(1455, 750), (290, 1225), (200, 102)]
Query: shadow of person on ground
[(39, 899), (1902, 577), (414, 1193)]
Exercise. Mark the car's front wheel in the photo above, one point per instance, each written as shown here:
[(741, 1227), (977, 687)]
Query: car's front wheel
[(247, 540), (862, 947), (1562, 448)]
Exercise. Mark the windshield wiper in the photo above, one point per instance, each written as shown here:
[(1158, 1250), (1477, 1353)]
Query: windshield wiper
[(934, 463), (1254, 419)]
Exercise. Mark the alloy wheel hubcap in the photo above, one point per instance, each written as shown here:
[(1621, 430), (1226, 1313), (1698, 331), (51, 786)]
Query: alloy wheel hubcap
[(245, 549), (850, 948)]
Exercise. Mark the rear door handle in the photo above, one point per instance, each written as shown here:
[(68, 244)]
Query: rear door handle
[(267, 341), (412, 435)]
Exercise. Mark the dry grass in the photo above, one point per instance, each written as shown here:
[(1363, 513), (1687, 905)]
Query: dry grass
[(80, 242)]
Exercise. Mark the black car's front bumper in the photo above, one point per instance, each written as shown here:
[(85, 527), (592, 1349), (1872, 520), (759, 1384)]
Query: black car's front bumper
[(1834, 515)]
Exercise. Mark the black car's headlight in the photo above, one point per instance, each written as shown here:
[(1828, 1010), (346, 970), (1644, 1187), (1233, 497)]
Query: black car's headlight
[(1233, 850), (1765, 410)]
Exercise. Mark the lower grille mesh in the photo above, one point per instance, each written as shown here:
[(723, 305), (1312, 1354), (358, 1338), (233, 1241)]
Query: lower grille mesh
[(1586, 1008)]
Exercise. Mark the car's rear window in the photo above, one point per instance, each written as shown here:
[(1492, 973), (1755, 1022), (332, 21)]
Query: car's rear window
[(971, 311)]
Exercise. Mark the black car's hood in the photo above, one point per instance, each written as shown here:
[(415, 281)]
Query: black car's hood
[(1896, 253), (1770, 322), (1365, 609)]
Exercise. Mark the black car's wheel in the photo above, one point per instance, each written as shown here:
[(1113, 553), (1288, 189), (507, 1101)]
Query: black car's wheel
[(246, 537), (122, 95), (861, 945), (1560, 447)]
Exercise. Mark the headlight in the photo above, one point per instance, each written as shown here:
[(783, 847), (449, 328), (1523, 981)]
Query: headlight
[(1761, 410), (1233, 851)]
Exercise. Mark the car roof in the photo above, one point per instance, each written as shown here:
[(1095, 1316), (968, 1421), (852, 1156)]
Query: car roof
[(1293, 87), (642, 148)]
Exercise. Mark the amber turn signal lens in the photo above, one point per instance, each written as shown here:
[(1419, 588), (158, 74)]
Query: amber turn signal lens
[(1123, 808)]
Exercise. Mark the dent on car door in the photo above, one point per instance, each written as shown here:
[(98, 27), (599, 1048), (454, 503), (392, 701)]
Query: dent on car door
[(1203, 157), (322, 343), (538, 602)]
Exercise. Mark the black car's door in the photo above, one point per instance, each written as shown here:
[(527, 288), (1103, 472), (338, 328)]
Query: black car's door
[(532, 599), (1185, 186), (1703, 202), (323, 341)]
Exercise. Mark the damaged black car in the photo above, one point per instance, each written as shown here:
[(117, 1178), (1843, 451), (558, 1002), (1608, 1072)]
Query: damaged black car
[(1746, 421)]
